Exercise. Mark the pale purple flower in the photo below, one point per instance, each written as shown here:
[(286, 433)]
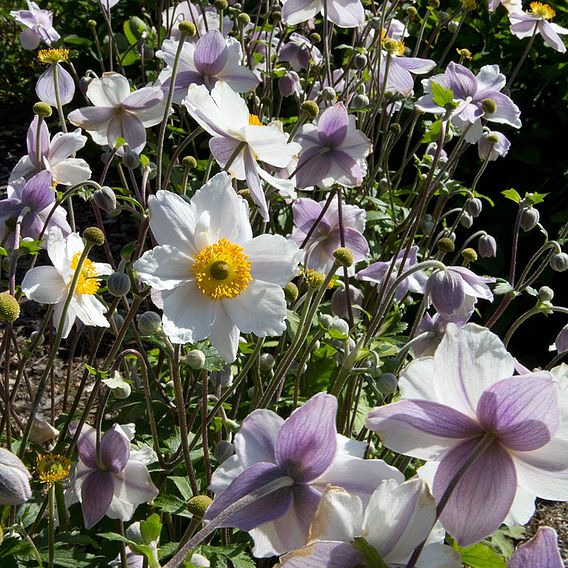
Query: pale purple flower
[(493, 144), (327, 235), (54, 156), (487, 246), (39, 24), (401, 70), (31, 201), (211, 59), (470, 91), (306, 453), (14, 480), (289, 84), (456, 287), (108, 4), (397, 518), (240, 137), (377, 272), (540, 551), (114, 482), (45, 86), (333, 151), (299, 52), (466, 395), (118, 113), (343, 13), (523, 24)]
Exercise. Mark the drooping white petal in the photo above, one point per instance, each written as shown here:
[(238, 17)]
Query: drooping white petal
[(44, 284)]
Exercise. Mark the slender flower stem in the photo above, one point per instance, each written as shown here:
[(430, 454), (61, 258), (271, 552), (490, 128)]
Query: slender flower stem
[(51, 525), (38, 147), (58, 97), (507, 88)]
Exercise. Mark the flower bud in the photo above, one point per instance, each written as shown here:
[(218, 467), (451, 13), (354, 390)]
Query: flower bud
[(198, 505), (559, 262), (487, 246), (223, 450), (105, 199), (195, 359), (310, 108), (466, 220), (222, 378), (340, 325), (561, 341), (289, 84), (411, 12), (376, 23), (447, 291), (326, 320), (489, 106), (189, 162), (315, 37), (118, 284), (149, 323), (42, 109), (276, 16), (131, 159), (339, 302), (387, 383), (14, 480), (36, 336), (529, 218), (266, 362), (445, 244), (328, 94), (118, 320), (359, 102), (474, 206), (9, 307), (469, 255), (360, 61), (187, 28), (545, 294), (94, 236), (453, 26), (343, 256), (243, 19), (221, 4), (122, 392), (291, 292)]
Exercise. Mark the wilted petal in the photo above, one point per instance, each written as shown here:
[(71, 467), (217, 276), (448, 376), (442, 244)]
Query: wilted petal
[(307, 441), (96, 496), (541, 550)]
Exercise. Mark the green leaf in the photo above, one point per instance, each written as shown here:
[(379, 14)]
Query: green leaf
[(73, 39), (151, 528), (512, 194), (433, 132), (534, 198), (182, 483), (373, 560), (480, 556), (442, 96), (172, 504), (31, 247)]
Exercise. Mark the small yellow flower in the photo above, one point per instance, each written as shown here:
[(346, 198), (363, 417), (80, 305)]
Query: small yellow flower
[(465, 53), (51, 56), (543, 11), (51, 468)]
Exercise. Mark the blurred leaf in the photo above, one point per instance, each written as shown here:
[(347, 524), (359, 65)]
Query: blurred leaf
[(480, 556)]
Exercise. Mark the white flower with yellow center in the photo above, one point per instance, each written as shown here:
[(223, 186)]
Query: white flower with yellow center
[(215, 280), (50, 284)]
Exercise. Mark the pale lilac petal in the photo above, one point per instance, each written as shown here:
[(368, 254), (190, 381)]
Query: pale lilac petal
[(358, 244), (416, 64), (143, 99), (92, 118), (205, 111), (332, 125), (298, 11), (461, 80), (256, 439), (108, 91), (541, 550), (45, 86), (551, 37), (345, 13), (523, 411), (253, 180), (96, 496), (223, 149), (210, 54), (133, 485), (307, 441), (64, 145), (115, 449), (306, 212), (260, 511), (345, 170), (270, 145), (86, 444), (71, 171), (30, 39), (421, 428), (127, 126), (323, 554), (507, 112), (313, 167), (32, 140), (482, 498)]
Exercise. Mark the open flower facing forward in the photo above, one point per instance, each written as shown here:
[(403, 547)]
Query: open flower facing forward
[(306, 453), (465, 403), (30, 202), (477, 96), (398, 517), (39, 26), (118, 113), (326, 234), (54, 155), (215, 279), (343, 13), (333, 151), (114, 480), (240, 141), (50, 284), (211, 59), (537, 20)]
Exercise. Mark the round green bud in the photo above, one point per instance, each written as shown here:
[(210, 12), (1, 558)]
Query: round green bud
[(118, 284), (94, 236), (445, 244), (326, 320), (195, 359), (559, 262), (529, 218), (387, 383), (489, 106), (91, 24), (291, 292), (315, 37), (466, 220), (243, 19), (118, 321), (105, 199), (42, 109), (276, 16), (343, 256), (411, 12), (340, 325), (492, 138), (359, 102), (221, 4), (187, 28), (328, 94), (189, 162), (310, 108), (360, 61), (149, 323), (266, 362), (9, 307), (198, 505), (435, 4), (545, 294), (453, 26), (469, 254), (131, 159), (122, 392)]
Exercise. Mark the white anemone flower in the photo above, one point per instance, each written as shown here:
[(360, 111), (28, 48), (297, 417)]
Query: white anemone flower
[(240, 141), (214, 278), (50, 284)]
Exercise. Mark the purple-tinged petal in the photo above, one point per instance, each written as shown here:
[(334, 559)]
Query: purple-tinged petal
[(307, 441), (461, 80), (143, 99), (262, 510), (32, 140), (30, 39), (211, 53), (551, 37), (127, 126), (32, 225), (357, 243), (523, 411), (447, 291), (91, 118), (253, 180), (345, 170), (416, 64), (506, 112), (399, 80), (38, 192), (323, 554), (10, 208), (313, 167), (45, 86), (482, 498), (421, 428), (96, 496), (115, 449), (298, 11), (256, 438), (306, 212), (332, 125), (541, 550), (86, 445)]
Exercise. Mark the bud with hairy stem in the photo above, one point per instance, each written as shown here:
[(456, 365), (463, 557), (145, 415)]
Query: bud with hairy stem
[(529, 218), (94, 236), (487, 246), (187, 28), (42, 110), (559, 262), (105, 199), (149, 322), (310, 108)]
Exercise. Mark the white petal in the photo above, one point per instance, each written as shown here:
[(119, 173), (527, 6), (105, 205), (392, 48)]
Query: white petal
[(71, 171), (63, 145), (164, 267), (232, 107), (70, 318), (522, 509), (224, 334), (417, 380), (205, 111), (44, 284), (439, 556), (108, 91), (223, 476), (256, 439), (270, 145), (90, 310)]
